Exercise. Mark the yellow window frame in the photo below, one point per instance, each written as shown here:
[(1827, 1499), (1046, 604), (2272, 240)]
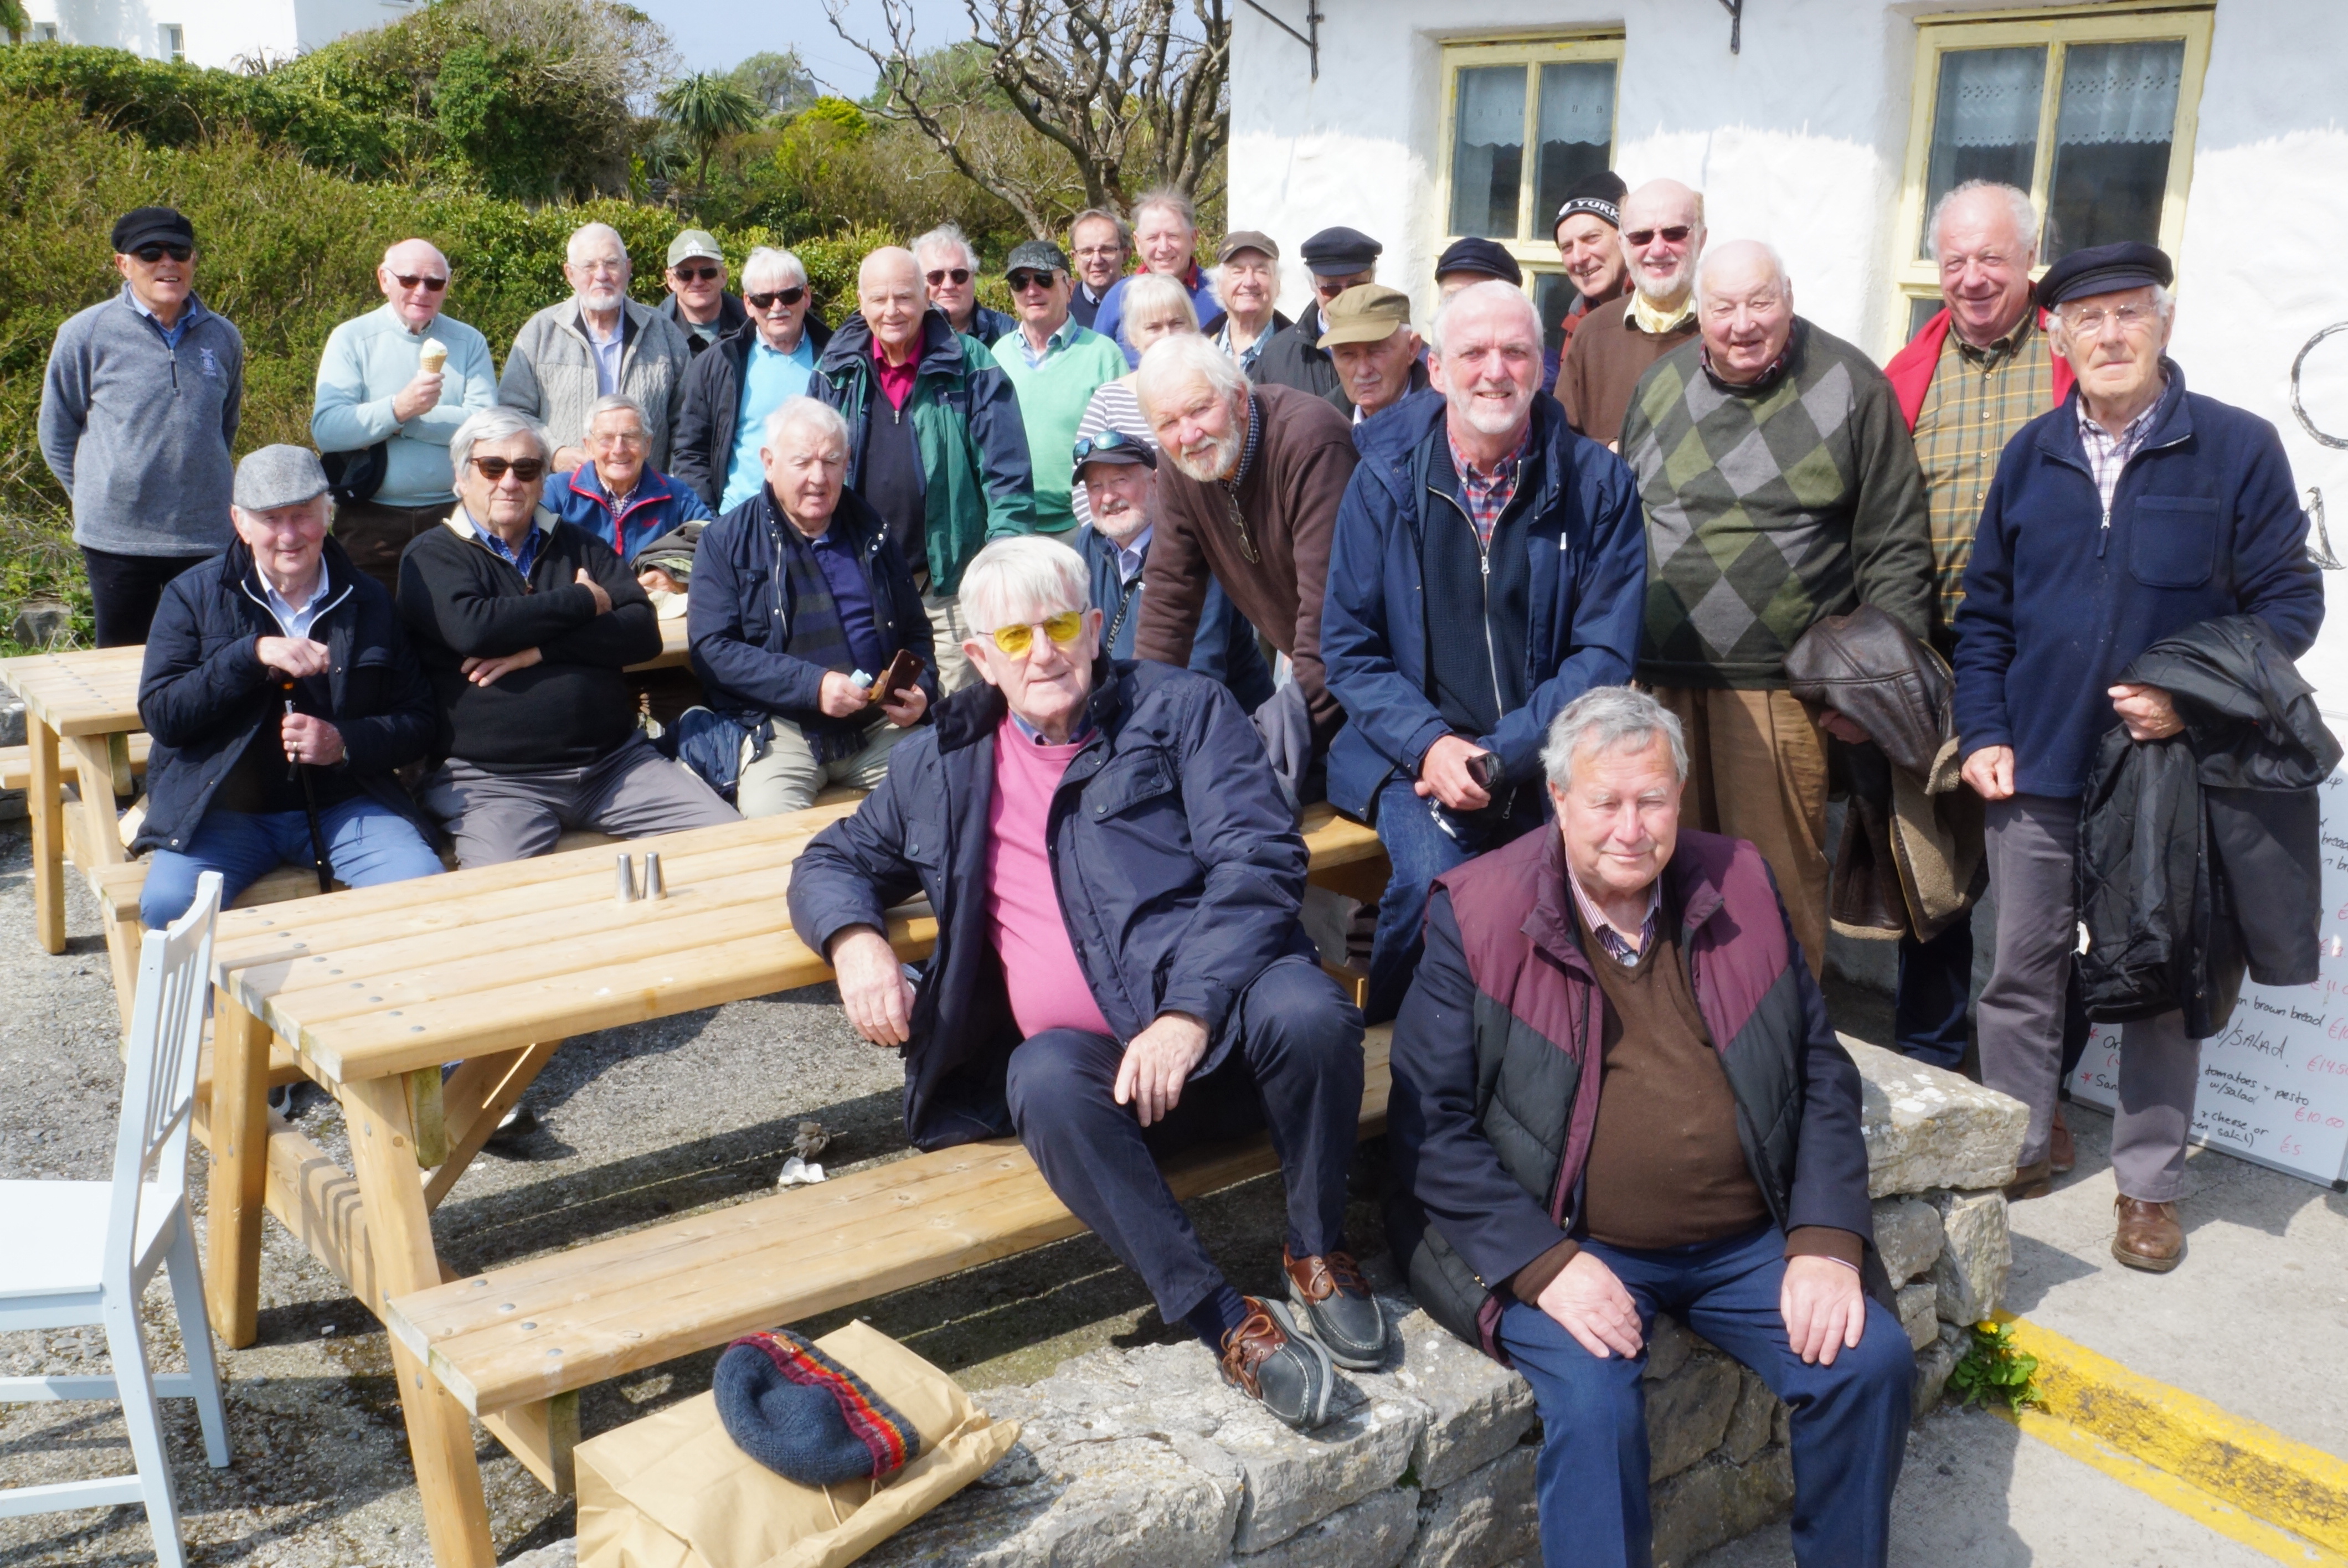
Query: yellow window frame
[(1533, 247), (1916, 278)]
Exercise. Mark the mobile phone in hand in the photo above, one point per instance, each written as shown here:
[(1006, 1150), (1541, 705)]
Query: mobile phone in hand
[(1484, 767)]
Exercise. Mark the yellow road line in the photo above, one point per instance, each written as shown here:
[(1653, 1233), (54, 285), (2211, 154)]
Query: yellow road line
[(2235, 1463)]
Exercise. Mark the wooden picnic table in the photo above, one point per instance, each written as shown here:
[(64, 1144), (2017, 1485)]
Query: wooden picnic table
[(372, 989)]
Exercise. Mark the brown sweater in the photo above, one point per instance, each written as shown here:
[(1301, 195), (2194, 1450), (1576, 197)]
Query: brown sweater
[(1603, 365), (1289, 498)]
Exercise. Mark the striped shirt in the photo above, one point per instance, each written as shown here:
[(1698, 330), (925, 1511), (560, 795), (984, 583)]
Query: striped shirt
[(1616, 942), (1978, 399)]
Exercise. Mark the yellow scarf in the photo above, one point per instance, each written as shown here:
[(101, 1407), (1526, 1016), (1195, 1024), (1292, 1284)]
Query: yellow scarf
[(1655, 321)]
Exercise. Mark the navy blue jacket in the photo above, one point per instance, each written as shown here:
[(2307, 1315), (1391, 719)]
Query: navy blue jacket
[(1224, 648), (738, 619), (203, 695), (661, 505), (1178, 864), (1587, 553), (2205, 523)]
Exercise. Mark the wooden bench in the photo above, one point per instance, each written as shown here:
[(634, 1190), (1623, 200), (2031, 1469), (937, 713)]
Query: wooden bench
[(516, 1345), (16, 762)]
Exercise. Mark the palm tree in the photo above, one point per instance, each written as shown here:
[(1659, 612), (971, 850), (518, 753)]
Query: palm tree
[(706, 109), (15, 20)]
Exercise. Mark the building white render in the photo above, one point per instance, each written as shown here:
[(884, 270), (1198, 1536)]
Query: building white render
[(218, 33)]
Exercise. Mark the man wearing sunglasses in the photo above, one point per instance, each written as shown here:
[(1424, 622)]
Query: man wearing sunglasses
[(393, 386), (1057, 365), (1662, 240), (592, 345), (138, 407), (950, 267), (1119, 970), (697, 299), (730, 393)]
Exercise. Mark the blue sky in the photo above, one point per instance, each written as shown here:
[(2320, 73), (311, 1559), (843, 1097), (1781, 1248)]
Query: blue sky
[(712, 37)]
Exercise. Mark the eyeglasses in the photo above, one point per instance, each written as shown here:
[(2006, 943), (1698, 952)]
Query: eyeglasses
[(697, 274), (1063, 629), (150, 254), (613, 438), (1673, 235), (1101, 252), (1022, 282), (2133, 319), (529, 470), (1106, 441), (418, 280), (769, 300), (958, 274)]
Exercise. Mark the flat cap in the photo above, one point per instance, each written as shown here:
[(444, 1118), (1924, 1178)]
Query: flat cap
[(2104, 270), (151, 226), (1367, 312), (1600, 195), (694, 242), (1239, 240), (1333, 252), (1482, 258), (1036, 256), (277, 477)]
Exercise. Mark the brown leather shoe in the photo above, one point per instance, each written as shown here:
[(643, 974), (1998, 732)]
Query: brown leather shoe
[(2032, 1180), (2062, 1152), (2150, 1237)]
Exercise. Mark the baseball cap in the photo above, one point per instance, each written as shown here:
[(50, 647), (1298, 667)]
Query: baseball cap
[(694, 242), (1239, 240), (1036, 256)]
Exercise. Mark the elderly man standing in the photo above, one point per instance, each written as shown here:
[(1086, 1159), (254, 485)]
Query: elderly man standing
[(795, 591), (1247, 281), (1166, 237), (1489, 567), (393, 385), (730, 394), (138, 408), (615, 495), (949, 265), (592, 345), (2131, 512), (1978, 372), (1560, 1181), (282, 695), (1025, 816), (1338, 259), (1367, 334), (1780, 487), (698, 302), (1100, 241), (1055, 365), (524, 624), (1588, 235), (1250, 505), (1662, 241), (935, 445)]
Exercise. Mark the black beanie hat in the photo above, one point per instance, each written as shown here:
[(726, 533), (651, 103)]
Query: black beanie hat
[(806, 1417), (1600, 195)]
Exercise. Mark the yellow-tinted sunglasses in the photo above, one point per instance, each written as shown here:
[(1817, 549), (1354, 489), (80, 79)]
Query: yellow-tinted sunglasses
[(1062, 629)]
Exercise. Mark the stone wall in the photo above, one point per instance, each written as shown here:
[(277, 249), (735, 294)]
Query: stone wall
[(1142, 1457)]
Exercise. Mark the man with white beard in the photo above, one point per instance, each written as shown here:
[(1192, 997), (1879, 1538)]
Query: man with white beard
[(1663, 242), (597, 342)]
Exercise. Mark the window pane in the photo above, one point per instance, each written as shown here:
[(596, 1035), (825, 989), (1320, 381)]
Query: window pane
[(1922, 308), (1553, 295), (1487, 159), (1577, 131), (2111, 139), (1985, 122)]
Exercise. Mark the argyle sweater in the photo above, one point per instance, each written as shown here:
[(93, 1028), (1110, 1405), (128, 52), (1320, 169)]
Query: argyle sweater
[(1769, 507)]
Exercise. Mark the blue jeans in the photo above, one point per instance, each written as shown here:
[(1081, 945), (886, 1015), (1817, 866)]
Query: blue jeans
[(1933, 994), (367, 843), (1423, 841), (1849, 1421)]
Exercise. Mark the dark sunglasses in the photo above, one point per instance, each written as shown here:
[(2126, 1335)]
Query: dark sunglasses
[(1022, 281), (418, 280), (1673, 235), (958, 274), (150, 254), (1106, 441), (529, 470), (694, 274), (768, 300)]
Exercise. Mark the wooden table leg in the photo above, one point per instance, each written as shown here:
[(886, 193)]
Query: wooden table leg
[(399, 1233), (239, 1133), (474, 1100), (100, 843), (45, 799)]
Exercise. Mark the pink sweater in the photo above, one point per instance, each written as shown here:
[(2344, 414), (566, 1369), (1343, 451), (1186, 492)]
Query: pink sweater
[(1047, 986)]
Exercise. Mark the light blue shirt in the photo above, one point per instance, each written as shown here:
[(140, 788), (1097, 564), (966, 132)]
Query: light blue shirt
[(606, 352), (1132, 557), (367, 362), (769, 376), (189, 313), (296, 622), (1060, 339)]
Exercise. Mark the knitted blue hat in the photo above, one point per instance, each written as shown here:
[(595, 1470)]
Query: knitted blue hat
[(806, 1417)]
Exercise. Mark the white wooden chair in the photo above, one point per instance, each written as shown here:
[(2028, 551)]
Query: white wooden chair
[(78, 1253)]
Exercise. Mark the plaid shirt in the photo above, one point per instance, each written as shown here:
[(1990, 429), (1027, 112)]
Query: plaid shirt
[(1978, 398), (1486, 497), (1618, 946), (2108, 454)]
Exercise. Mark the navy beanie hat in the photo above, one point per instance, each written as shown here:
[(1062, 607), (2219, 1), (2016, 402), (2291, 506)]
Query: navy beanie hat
[(806, 1417)]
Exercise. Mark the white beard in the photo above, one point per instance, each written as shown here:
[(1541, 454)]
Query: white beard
[(1213, 458)]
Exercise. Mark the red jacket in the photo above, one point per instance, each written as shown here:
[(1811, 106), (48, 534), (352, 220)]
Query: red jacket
[(1910, 370)]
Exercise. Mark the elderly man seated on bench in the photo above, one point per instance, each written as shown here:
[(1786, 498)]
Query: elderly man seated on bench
[(281, 695), (1616, 1094), (524, 623), (1119, 970), (795, 591)]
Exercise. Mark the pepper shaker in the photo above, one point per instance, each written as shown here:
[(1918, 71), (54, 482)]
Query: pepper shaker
[(625, 892)]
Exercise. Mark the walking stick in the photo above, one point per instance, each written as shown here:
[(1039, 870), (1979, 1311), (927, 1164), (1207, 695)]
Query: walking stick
[(295, 770)]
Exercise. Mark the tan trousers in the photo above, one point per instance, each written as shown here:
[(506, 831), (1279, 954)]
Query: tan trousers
[(949, 626), (1757, 771), (784, 776)]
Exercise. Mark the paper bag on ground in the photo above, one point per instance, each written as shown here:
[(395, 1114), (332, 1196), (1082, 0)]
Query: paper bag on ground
[(673, 1491)]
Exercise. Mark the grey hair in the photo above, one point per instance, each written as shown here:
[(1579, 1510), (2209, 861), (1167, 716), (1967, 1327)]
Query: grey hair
[(496, 422), (1776, 266), (1022, 579), (1172, 200), (948, 234), (763, 257), (1492, 290), (1172, 364), (585, 232), (1101, 215), (1148, 293), (2018, 206), (1610, 717), (613, 402), (805, 410)]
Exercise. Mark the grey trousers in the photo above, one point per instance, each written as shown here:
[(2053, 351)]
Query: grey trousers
[(2032, 841), (632, 793)]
